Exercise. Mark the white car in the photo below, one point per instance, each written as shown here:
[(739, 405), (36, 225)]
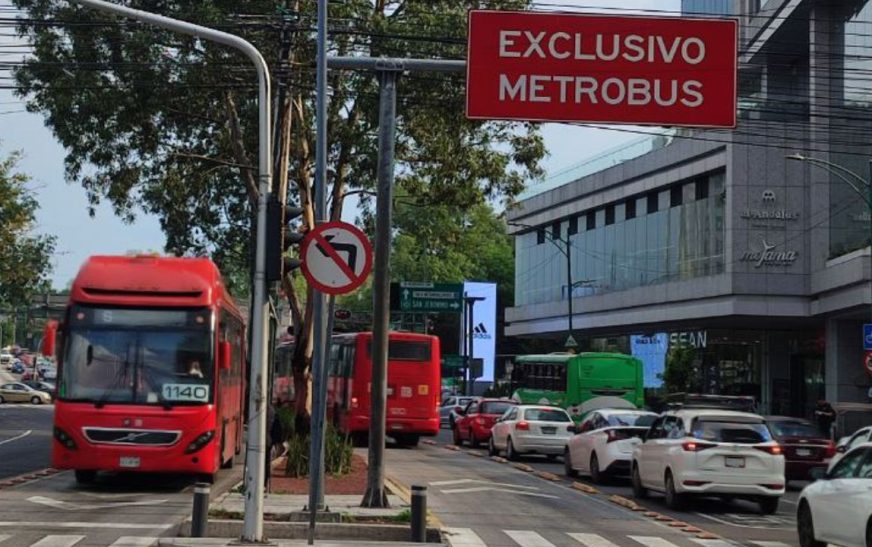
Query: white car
[(709, 452), (845, 444), (837, 509), (526, 429), (605, 441)]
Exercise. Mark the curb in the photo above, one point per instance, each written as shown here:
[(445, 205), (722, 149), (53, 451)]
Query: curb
[(28, 477), (523, 467), (221, 528), (586, 488), (546, 475)]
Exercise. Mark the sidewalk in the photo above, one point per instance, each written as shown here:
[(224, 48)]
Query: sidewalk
[(221, 542)]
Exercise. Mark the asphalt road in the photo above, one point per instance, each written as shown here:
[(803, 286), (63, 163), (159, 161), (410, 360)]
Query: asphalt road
[(737, 521), (25, 436)]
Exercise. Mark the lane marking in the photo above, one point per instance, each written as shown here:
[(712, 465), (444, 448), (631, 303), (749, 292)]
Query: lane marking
[(719, 543), (526, 538), (477, 481), (464, 537), (113, 525), (134, 541), (770, 544), (492, 489), (728, 523), (591, 540), (4, 537), (25, 434), (71, 506), (651, 541), (58, 541)]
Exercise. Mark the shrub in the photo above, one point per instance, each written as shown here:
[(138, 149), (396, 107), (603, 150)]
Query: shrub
[(337, 454)]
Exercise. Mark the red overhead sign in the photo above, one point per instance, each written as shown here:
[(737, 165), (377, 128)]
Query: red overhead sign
[(601, 68)]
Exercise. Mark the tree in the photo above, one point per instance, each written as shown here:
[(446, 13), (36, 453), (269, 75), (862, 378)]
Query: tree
[(25, 264), (168, 124), (681, 373)]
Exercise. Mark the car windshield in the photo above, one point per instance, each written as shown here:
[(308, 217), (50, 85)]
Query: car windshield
[(638, 420), (495, 407), (138, 356), (730, 432), (546, 415), (795, 429)]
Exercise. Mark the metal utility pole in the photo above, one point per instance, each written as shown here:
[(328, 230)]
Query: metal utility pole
[(256, 442), (470, 339), (320, 334)]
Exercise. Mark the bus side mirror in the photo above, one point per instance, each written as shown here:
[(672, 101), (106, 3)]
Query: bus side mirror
[(49, 338), (224, 355)]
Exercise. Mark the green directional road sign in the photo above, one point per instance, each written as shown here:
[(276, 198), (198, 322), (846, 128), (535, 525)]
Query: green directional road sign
[(428, 297), (452, 361)]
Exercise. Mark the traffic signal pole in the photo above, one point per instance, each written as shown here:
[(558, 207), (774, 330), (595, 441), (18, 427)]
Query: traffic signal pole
[(256, 442)]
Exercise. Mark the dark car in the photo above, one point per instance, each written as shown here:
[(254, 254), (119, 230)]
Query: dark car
[(474, 423), (17, 367), (803, 444)]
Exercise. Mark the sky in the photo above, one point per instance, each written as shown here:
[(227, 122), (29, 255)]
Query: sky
[(64, 207)]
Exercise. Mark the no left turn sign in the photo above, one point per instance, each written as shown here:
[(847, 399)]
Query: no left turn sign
[(337, 257)]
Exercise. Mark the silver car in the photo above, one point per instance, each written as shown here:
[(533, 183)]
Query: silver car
[(449, 408)]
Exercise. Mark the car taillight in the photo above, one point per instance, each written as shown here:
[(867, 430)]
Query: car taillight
[(773, 449), (695, 446), (354, 403), (614, 435), (522, 426), (64, 438), (830, 450), (201, 441)]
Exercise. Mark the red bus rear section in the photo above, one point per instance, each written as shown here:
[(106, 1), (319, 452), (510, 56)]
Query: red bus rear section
[(414, 385), (151, 373)]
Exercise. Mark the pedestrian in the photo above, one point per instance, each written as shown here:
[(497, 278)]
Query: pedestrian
[(825, 415)]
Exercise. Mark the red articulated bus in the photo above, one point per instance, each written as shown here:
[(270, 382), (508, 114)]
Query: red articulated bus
[(414, 385), (151, 369)]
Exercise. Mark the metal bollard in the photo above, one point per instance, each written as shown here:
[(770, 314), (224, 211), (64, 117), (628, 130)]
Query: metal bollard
[(419, 514), (200, 517)]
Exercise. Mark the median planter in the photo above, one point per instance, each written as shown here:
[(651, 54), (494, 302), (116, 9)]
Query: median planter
[(225, 528)]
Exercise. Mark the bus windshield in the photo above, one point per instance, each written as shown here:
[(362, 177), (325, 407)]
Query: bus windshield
[(138, 357)]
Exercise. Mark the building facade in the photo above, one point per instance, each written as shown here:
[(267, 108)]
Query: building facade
[(715, 240)]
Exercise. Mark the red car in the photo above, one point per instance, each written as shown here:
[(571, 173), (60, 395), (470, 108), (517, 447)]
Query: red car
[(474, 423), (803, 445)]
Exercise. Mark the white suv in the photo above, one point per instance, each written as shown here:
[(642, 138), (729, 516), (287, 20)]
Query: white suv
[(709, 452)]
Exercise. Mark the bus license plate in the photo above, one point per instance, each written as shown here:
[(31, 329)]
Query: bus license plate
[(129, 462), (734, 461)]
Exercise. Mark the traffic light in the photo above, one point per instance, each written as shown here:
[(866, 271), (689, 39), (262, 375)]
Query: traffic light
[(280, 238)]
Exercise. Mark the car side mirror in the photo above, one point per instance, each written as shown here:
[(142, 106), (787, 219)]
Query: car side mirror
[(461, 412), (818, 473), (224, 353)]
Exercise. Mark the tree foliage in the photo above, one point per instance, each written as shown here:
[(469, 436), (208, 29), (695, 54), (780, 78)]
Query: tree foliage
[(158, 122), (681, 373), (25, 263)]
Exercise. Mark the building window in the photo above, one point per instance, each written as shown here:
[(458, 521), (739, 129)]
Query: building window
[(675, 196), (702, 189), (610, 214), (631, 209), (573, 226), (540, 236), (652, 202), (590, 221), (555, 231)]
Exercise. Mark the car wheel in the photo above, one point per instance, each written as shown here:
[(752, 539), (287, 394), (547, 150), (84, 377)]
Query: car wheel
[(567, 465), (456, 433), (639, 491), (805, 527), (595, 474), (36, 400), (674, 500), (491, 448), (768, 505), (510, 450), (85, 476)]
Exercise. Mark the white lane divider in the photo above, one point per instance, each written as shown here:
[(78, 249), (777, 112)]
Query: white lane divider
[(651, 541), (25, 434), (58, 541), (723, 543), (591, 540), (526, 538), (770, 543), (464, 537)]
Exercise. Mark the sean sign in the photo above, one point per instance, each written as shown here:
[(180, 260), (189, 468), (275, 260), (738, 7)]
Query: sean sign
[(601, 68)]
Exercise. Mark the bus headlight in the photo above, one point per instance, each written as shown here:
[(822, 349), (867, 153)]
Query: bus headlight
[(63, 438), (201, 441)]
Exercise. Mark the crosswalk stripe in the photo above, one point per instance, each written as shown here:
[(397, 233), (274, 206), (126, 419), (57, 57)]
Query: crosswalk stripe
[(723, 543), (651, 541), (58, 541), (464, 537), (134, 541), (591, 540), (770, 544), (4, 537), (526, 538)]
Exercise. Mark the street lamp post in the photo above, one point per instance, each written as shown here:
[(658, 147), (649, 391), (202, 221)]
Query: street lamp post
[(841, 172)]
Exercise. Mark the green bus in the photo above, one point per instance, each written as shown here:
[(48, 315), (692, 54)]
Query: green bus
[(569, 380)]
